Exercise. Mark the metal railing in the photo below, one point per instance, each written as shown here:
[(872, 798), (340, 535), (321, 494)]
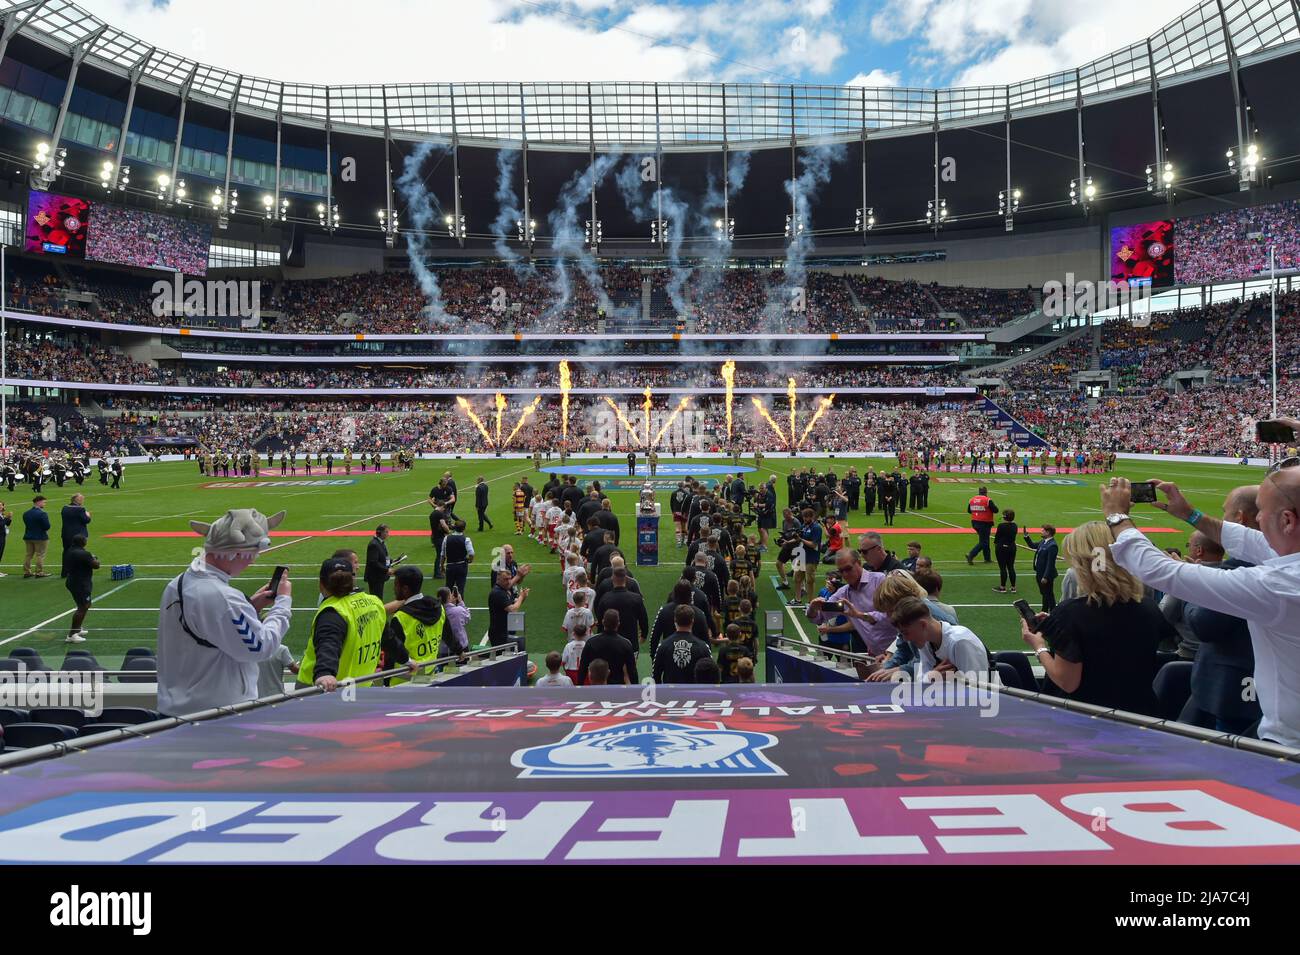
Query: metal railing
[(667, 113), (50, 750)]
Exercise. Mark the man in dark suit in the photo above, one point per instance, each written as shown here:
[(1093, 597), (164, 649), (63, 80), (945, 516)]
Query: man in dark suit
[(481, 503), (634, 622), (76, 523), (631, 464), (1045, 565), (377, 566), (607, 518), (6, 521)]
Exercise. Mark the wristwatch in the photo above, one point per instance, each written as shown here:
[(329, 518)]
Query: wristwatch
[(1115, 519)]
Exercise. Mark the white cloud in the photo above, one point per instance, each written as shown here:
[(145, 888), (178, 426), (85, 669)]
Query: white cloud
[(1001, 41), (389, 41), (876, 77)]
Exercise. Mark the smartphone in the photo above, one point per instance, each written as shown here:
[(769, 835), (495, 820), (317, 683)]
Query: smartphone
[(274, 586), (1274, 432), (1022, 606), (832, 606), (1144, 492)]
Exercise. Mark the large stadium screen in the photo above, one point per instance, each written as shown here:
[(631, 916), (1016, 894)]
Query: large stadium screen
[(146, 240), (56, 224), (1143, 253)]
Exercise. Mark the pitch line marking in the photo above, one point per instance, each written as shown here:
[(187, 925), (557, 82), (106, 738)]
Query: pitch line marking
[(66, 613)]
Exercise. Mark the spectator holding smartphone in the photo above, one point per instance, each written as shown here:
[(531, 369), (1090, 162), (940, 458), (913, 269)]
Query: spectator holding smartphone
[(455, 636)]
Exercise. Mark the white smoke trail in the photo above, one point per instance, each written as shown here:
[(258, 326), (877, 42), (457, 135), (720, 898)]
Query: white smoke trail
[(567, 240), (424, 214)]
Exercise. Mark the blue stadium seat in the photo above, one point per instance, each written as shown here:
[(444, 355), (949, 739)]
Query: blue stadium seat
[(138, 652), (129, 715), (86, 664), (1020, 663), (24, 735), (1009, 675), (63, 715), (78, 653), (12, 714), (94, 729), (24, 652), (1173, 688), (139, 663), (31, 661)]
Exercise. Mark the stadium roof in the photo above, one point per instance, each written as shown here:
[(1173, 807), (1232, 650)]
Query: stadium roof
[(1202, 40)]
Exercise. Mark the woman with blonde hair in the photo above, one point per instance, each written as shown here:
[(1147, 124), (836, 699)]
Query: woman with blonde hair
[(897, 585), (1100, 647)]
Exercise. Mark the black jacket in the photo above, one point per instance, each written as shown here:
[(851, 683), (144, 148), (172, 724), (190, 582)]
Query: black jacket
[(614, 650), (633, 621), (586, 510), (664, 625), (376, 560), (676, 658), (75, 521), (480, 496), (608, 522), (606, 584)]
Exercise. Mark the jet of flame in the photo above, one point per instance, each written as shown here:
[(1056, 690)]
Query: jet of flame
[(681, 406), (464, 406), (729, 376), (622, 418), (647, 416), (527, 413), (566, 382), (790, 391), (501, 409), (821, 410), (762, 409)]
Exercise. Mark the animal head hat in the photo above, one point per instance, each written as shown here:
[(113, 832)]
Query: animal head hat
[(240, 532)]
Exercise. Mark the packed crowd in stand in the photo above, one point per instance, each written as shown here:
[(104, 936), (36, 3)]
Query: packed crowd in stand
[(982, 307), (1235, 244), (500, 299)]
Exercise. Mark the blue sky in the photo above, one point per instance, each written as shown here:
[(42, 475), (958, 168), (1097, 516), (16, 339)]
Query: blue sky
[(876, 42)]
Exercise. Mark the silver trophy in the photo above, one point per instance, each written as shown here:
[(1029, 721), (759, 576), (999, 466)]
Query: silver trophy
[(647, 499)]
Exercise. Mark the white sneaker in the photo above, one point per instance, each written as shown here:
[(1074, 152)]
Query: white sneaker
[(83, 632), (75, 638), (4, 575)]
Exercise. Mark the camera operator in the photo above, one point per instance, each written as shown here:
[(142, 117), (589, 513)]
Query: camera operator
[(787, 542)]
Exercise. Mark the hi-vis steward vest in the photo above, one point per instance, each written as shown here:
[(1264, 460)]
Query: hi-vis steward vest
[(422, 639), (365, 616), (979, 509)]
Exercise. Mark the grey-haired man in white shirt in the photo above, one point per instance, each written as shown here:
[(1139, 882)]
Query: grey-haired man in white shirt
[(1266, 596)]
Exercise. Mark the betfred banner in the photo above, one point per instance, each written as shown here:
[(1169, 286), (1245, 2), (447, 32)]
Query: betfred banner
[(861, 772)]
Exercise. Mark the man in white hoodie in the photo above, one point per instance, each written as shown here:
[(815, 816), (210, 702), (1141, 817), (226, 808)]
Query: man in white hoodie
[(211, 637)]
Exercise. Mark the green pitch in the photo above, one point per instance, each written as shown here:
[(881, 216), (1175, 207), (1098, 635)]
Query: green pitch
[(164, 497)]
